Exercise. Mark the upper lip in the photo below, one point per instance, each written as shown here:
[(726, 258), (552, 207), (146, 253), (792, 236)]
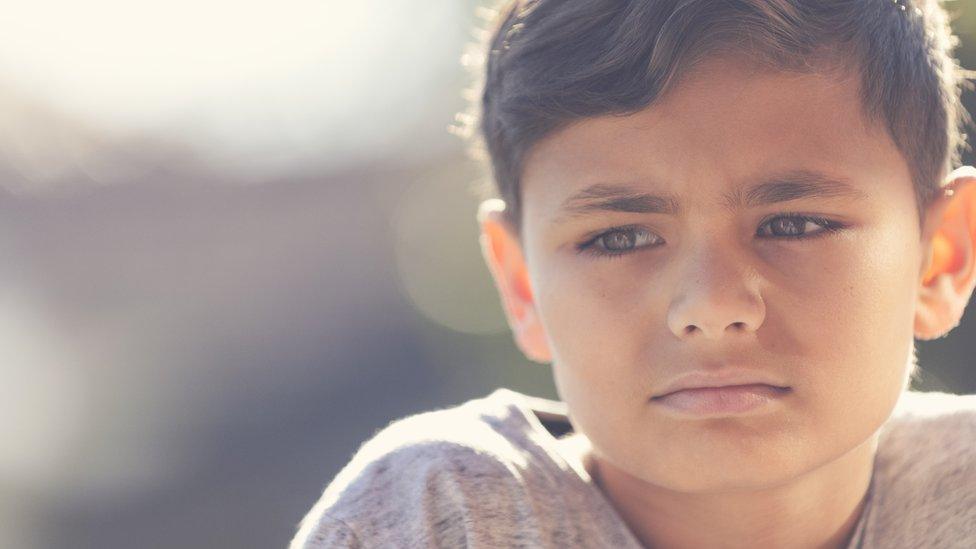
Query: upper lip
[(700, 379)]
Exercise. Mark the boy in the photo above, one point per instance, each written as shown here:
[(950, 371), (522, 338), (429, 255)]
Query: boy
[(722, 223)]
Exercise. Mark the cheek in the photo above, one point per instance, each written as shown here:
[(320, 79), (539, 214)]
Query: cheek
[(856, 300), (853, 339), (597, 329)]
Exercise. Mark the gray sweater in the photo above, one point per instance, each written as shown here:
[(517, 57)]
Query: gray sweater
[(491, 473)]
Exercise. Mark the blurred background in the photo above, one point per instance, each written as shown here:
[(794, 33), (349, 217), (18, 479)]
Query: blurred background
[(235, 240)]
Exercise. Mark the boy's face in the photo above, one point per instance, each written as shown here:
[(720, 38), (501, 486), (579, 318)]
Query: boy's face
[(719, 283)]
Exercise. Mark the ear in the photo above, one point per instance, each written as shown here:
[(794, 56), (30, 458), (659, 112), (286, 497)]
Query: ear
[(949, 271), (502, 250)]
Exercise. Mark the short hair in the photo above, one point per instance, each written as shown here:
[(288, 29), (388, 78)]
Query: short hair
[(547, 63)]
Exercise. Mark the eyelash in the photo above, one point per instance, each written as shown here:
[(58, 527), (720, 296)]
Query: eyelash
[(591, 247)]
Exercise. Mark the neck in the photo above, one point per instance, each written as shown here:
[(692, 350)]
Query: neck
[(819, 509)]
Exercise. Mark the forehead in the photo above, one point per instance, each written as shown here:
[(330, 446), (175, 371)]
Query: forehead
[(726, 125)]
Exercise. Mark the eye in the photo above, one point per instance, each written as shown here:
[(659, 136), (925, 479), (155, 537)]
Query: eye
[(796, 226), (619, 241)]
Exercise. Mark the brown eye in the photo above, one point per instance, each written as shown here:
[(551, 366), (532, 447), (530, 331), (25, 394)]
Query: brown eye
[(796, 226), (618, 241), (788, 226), (621, 241)]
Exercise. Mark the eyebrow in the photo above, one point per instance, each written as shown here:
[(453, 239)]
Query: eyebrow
[(793, 185)]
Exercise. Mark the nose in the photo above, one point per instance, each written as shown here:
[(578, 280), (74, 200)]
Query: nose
[(716, 295)]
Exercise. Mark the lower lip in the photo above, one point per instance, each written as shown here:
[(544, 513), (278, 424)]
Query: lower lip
[(717, 401)]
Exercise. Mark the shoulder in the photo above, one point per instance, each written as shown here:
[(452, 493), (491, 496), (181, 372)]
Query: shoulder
[(925, 470), (427, 478), (927, 429), (326, 532)]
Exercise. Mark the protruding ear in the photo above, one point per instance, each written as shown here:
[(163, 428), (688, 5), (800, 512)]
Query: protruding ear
[(502, 250), (949, 274)]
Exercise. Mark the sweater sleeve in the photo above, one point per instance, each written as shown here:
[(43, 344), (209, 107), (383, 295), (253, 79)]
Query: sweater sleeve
[(926, 475), (470, 476), (325, 533)]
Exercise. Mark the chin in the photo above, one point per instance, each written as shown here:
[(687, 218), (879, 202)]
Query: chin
[(730, 479), (765, 463)]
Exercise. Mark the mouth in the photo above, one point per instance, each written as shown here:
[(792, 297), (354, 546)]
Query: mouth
[(722, 400)]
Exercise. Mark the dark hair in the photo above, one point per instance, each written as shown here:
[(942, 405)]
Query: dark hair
[(549, 62)]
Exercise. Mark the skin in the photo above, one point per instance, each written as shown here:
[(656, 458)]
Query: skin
[(832, 315)]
